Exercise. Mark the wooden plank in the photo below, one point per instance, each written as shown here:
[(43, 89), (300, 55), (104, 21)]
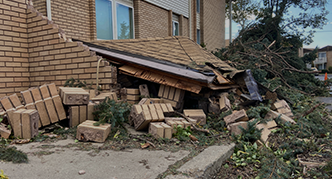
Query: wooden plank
[(161, 91), (73, 116), (166, 92), (6, 104), (59, 107), (179, 95), (15, 101), (44, 118), (171, 93), (16, 123), (51, 110), (52, 89), (83, 113), (88, 132)]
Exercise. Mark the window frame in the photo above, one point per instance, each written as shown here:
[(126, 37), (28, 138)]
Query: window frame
[(114, 18), (198, 36), (173, 29), (198, 6)]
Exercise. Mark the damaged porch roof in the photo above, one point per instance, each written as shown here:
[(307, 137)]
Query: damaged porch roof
[(174, 61)]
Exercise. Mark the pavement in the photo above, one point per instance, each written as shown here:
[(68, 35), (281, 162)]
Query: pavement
[(64, 159)]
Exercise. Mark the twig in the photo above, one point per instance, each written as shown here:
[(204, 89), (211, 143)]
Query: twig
[(312, 109), (143, 140), (193, 125), (193, 143), (276, 88)]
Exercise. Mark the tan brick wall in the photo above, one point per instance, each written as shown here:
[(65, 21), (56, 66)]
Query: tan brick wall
[(35, 51), (40, 6), (150, 20), (329, 59), (14, 61), (73, 16), (213, 23)]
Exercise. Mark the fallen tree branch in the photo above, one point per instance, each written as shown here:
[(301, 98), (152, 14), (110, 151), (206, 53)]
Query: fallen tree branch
[(300, 71), (312, 109), (192, 125), (136, 137)]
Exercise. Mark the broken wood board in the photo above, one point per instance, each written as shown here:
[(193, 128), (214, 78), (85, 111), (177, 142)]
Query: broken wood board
[(224, 103), (74, 96), (235, 129), (266, 130), (237, 116), (196, 114), (161, 78), (88, 132)]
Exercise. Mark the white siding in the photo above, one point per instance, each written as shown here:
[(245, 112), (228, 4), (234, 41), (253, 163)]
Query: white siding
[(177, 6)]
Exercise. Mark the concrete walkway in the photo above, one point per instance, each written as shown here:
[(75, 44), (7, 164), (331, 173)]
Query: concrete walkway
[(61, 160)]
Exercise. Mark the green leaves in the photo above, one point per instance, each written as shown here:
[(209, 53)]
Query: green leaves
[(110, 111)]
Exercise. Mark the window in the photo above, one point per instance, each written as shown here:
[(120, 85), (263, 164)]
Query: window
[(104, 19), (198, 5), (114, 20), (198, 36), (175, 28), (322, 55)]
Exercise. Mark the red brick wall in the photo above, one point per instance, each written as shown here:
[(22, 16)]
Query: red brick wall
[(213, 23)]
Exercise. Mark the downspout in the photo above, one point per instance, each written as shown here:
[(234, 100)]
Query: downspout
[(190, 23), (48, 9), (230, 22)]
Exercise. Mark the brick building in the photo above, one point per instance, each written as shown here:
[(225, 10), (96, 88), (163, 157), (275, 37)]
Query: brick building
[(324, 57), (201, 20), (35, 50)]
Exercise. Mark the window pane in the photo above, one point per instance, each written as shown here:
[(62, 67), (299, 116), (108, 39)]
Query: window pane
[(104, 19), (175, 28), (124, 20), (198, 5), (198, 36)]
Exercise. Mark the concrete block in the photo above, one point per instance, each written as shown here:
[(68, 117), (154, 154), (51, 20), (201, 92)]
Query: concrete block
[(197, 114), (30, 119), (88, 132), (144, 90), (208, 162)]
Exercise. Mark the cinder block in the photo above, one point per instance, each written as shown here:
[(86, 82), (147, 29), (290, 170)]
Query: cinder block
[(51, 110), (144, 90), (59, 107), (156, 130), (30, 120), (17, 123), (73, 116), (197, 114), (44, 118), (74, 96), (88, 132)]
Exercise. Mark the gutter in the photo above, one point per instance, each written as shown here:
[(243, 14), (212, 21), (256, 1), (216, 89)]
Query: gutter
[(48, 9)]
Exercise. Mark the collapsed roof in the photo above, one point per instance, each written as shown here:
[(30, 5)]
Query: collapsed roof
[(174, 61)]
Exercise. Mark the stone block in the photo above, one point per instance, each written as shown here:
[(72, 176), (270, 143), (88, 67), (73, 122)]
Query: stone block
[(88, 132)]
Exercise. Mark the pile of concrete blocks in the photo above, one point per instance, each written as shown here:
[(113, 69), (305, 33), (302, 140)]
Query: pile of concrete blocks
[(172, 95), (87, 131)]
